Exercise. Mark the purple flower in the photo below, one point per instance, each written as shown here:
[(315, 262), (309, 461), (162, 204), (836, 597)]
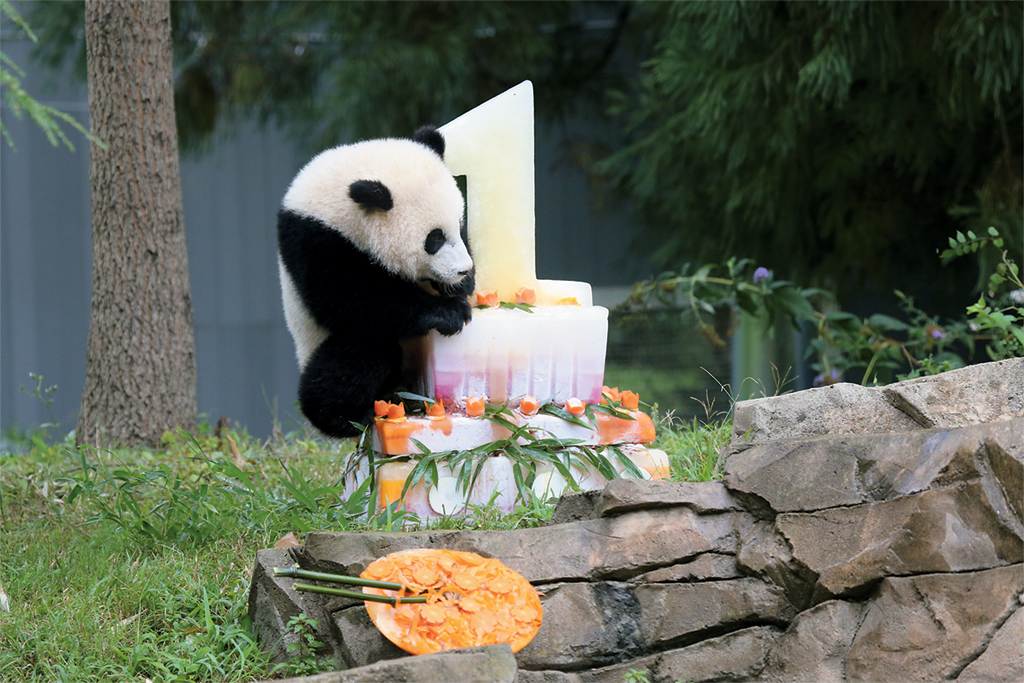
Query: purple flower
[(938, 334), (762, 273), (834, 377)]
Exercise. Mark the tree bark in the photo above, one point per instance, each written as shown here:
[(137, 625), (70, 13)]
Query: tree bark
[(140, 364)]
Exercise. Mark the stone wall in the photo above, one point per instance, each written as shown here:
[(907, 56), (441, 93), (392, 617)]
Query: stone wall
[(860, 534)]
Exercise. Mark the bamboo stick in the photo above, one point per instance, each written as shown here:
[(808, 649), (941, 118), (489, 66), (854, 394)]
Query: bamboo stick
[(297, 573), (355, 595)]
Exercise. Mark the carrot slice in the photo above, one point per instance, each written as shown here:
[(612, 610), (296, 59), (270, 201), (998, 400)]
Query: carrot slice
[(630, 400), (487, 298), (528, 405), (575, 407), (524, 295), (380, 408), (609, 393), (475, 406)]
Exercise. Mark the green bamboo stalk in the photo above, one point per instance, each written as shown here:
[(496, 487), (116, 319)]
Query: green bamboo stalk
[(296, 573), (355, 595)]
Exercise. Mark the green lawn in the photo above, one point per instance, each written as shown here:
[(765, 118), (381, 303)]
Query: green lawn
[(128, 565)]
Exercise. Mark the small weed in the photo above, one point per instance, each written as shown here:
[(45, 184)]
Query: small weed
[(303, 660), (635, 676)]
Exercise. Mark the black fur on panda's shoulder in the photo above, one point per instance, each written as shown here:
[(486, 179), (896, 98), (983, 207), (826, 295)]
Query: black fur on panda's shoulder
[(431, 137), (347, 291)]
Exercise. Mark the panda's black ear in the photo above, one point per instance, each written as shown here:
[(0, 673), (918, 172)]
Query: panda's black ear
[(431, 137), (371, 194)]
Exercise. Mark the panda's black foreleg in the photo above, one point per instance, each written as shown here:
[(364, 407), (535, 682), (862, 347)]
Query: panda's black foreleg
[(451, 309), (342, 380)]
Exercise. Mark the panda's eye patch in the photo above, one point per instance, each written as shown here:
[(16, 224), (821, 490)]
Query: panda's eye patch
[(435, 240)]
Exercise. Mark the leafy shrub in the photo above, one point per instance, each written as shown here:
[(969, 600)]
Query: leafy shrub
[(881, 348)]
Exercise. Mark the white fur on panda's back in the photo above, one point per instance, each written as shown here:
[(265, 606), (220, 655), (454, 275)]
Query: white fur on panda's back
[(303, 328), (424, 192)]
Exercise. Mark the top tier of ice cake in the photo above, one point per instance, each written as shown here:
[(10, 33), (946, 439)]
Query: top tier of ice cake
[(552, 353)]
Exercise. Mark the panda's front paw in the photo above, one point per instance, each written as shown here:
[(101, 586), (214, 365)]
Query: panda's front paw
[(455, 314)]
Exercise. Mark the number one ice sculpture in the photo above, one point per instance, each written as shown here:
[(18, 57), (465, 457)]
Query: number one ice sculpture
[(556, 352), (493, 146)]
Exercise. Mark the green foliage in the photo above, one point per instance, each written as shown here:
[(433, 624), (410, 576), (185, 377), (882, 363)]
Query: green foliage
[(880, 348), (20, 102), (829, 139), (998, 310), (694, 448), (200, 498), (87, 603), (332, 71), (735, 284), (135, 564), (489, 517)]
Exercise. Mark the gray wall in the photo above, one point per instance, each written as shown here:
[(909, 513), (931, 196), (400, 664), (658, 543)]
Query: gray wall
[(246, 363)]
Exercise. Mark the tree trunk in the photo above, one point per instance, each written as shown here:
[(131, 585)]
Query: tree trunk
[(140, 366)]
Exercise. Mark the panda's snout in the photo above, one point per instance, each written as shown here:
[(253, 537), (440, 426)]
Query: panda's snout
[(451, 263)]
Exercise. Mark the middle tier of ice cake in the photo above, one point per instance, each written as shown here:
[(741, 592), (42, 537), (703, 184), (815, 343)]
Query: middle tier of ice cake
[(552, 353)]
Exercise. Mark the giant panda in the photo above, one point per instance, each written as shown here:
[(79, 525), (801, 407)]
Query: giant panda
[(362, 230)]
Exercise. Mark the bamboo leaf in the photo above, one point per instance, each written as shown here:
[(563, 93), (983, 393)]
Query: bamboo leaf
[(552, 409), (408, 396)]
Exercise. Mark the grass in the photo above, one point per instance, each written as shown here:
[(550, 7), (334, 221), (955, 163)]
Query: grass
[(135, 564)]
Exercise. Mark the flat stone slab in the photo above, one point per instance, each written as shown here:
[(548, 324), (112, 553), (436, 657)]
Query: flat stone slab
[(626, 495), (1003, 659), (493, 663), (945, 530), (737, 656), (837, 409), (798, 475), (976, 394), (705, 567), (671, 614), (929, 627), (815, 645), (605, 548)]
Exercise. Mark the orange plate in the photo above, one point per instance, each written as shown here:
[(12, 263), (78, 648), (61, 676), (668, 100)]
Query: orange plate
[(471, 601)]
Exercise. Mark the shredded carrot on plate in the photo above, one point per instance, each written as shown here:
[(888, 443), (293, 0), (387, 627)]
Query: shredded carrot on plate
[(471, 601)]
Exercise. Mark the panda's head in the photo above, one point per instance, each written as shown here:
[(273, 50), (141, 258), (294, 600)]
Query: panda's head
[(394, 199)]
